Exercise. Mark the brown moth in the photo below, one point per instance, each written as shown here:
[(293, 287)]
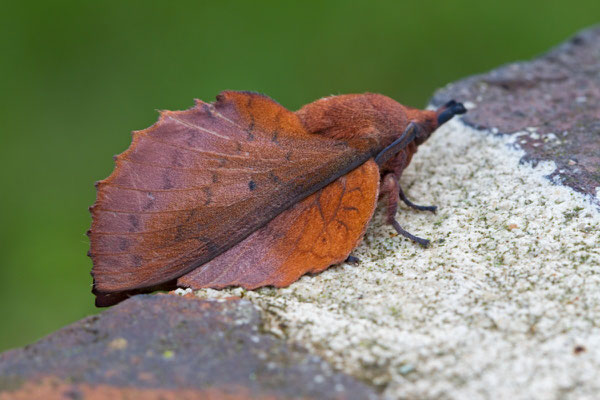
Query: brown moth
[(243, 192)]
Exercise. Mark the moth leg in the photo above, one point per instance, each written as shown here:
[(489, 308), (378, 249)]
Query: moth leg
[(352, 260), (391, 187), (413, 205), (403, 232), (402, 162)]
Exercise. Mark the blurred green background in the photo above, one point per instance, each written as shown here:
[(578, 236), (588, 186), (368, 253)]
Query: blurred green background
[(77, 76)]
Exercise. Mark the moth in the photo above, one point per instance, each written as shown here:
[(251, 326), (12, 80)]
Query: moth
[(243, 192)]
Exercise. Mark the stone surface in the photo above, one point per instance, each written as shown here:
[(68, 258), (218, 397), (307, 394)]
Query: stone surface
[(551, 102), (505, 303), (170, 347)]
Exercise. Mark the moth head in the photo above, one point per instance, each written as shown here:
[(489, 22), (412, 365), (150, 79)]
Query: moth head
[(449, 110), (434, 119)]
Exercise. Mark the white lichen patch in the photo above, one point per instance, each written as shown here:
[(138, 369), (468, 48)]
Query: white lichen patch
[(505, 304), (182, 292)]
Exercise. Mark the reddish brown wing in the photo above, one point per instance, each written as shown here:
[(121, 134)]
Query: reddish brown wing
[(200, 181), (317, 232)]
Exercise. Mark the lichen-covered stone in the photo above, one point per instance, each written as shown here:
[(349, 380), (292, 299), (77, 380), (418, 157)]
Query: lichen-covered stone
[(551, 102), (170, 347), (504, 304)]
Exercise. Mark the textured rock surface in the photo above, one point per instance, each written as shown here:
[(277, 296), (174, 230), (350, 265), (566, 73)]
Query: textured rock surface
[(552, 102), (504, 305), (170, 347)]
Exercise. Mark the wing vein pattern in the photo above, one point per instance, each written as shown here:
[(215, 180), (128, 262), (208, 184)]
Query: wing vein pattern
[(200, 181)]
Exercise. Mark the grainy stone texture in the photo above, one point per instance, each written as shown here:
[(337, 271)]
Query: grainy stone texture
[(552, 102), (505, 304), (170, 347)]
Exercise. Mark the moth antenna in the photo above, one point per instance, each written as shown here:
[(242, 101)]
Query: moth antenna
[(449, 110), (410, 133), (450, 103)]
